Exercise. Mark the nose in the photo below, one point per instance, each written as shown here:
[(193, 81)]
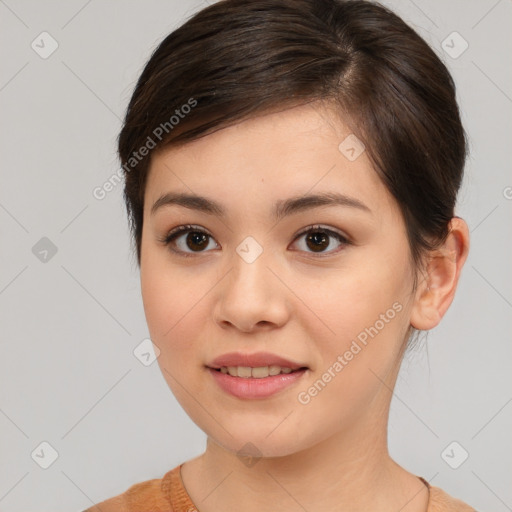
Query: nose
[(252, 297)]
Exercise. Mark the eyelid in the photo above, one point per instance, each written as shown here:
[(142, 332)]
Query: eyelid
[(325, 229), (183, 228)]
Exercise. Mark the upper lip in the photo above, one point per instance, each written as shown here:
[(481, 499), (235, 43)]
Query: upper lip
[(255, 360)]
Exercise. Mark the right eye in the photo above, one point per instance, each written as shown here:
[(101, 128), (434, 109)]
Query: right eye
[(196, 238)]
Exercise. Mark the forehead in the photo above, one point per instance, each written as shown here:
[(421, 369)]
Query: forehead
[(262, 160)]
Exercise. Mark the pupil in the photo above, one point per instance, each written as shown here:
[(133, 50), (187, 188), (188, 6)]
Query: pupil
[(318, 238), (196, 238)]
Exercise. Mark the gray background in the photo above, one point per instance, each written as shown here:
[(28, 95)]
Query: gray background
[(70, 321)]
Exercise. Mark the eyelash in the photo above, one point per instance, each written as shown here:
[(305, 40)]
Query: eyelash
[(180, 230)]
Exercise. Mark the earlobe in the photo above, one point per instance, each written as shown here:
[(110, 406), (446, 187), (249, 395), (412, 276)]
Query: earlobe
[(436, 287)]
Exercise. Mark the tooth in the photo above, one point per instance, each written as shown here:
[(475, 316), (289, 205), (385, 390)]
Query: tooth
[(244, 371), (256, 373), (260, 372), (274, 370)]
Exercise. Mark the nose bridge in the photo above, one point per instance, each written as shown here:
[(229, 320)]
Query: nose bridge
[(250, 267), (251, 294)]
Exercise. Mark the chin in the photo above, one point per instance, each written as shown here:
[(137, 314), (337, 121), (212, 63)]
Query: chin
[(262, 440)]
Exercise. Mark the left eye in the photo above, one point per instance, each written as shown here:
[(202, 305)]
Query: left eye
[(318, 239)]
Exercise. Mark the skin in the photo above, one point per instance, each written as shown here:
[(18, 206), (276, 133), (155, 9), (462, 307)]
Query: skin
[(331, 453)]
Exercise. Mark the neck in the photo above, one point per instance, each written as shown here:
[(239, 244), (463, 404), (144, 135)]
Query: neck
[(351, 470)]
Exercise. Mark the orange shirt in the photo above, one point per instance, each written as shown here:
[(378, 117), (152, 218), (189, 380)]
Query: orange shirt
[(168, 494)]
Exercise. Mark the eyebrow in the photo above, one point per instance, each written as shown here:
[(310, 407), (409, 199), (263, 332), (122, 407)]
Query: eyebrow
[(282, 208)]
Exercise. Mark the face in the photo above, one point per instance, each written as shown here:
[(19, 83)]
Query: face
[(325, 285)]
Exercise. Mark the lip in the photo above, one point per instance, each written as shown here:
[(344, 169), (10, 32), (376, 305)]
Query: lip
[(256, 360), (253, 388)]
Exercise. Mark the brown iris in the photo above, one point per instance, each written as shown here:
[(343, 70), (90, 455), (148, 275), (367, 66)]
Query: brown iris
[(196, 239), (317, 238)]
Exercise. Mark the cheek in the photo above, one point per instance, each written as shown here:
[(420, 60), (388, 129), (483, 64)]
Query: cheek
[(168, 291), (362, 317), (352, 299), (172, 299), (175, 305), (354, 361)]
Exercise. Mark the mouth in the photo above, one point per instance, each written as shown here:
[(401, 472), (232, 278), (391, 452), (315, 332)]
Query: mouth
[(256, 365)]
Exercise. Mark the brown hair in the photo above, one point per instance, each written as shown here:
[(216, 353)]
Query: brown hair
[(240, 58)]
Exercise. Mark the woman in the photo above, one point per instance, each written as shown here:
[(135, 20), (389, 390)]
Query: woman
[(292, 168)]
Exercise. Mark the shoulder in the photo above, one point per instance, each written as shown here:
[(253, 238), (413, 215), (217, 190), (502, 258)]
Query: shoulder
[(147, 496), (440, 501)]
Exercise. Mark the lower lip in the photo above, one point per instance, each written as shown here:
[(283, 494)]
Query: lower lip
[(251, 387)]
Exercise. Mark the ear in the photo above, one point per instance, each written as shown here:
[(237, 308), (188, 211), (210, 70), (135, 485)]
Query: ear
[(436, 289)]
